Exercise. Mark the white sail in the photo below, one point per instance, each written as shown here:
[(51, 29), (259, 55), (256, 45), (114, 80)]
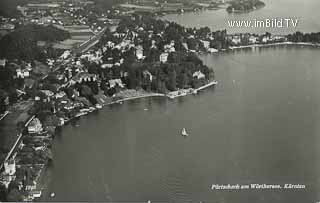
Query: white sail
[(184, 132)]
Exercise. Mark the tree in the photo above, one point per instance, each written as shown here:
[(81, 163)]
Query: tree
[(3, 193), (2, 105), (14, 185), (172, 83), (14, 196)]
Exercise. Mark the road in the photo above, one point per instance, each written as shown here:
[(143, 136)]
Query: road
[(91, 42), (4, 115)]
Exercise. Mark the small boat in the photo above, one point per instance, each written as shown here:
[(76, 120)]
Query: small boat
[(184, 132), (52, 194)]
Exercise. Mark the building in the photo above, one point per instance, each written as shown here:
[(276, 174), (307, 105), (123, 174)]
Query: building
[(48, 93), (113, 83), (60, 94), (236, 40), (35, 126), (139, 52), (35, 194), (22, 73), (146, 73), (83, 77), (106, 65), (164, 57), (8, 174), (206, 44), (198, 75), (252, 39), (7, 26), (5, 179), (3, 62), (170, 47), (65, 54), (10, 167)]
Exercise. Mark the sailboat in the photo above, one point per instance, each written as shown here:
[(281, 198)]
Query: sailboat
[(184, 132)]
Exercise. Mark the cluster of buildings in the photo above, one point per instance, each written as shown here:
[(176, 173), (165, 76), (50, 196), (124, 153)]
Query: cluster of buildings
[(249, 39)]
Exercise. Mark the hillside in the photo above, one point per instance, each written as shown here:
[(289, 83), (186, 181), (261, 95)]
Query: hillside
[(22, 43)]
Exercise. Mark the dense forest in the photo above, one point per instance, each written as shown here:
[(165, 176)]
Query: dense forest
[(22, 43), (244, 5), (301, 37), (177, 73)]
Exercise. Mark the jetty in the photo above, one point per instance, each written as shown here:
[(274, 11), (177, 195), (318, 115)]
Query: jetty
[(184, 92)]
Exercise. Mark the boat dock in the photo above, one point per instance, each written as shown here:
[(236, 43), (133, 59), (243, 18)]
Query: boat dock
[(184, 92)]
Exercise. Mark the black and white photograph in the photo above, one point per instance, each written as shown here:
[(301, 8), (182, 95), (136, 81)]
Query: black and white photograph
[(160, 101)]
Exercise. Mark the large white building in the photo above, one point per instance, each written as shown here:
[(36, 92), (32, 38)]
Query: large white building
[(35, 126), (198, 75), (139, 52), (10, 167)]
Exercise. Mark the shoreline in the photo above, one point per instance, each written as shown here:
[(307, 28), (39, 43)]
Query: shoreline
[(252, 46), (275, 44), (40, 187), (171, 95)]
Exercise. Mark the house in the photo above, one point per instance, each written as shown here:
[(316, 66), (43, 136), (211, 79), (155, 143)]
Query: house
[(139, 52), (106, 65), (35, 194), (10, 167), (50, 62), (198, 75), (30, 185), (61, 121), (22, 73), (110, 44), (69, 106), (206, 44), (65, 54), (35, 126), (164, 57), (266, 38), (6, 179), (213, 50), (236, 40), (146, 73), (252, 39), (170, 47), (185, 45), (48, 93), (114, 82), (60, 94), (3, 62), (7, 26), (83, 77)]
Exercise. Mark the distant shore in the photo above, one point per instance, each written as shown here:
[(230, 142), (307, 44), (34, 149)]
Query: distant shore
[(274, 44)]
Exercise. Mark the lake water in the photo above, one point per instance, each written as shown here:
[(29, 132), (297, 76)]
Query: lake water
[(260, 124), (306, 11)]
